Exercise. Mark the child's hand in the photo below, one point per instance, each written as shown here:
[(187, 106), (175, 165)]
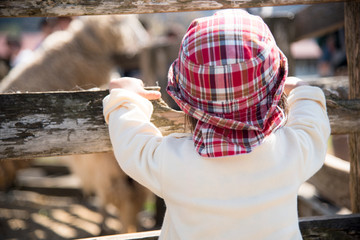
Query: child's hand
[(135, 85), (293, 82)]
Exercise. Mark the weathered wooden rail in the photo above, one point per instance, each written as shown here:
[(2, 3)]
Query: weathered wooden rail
[(312, 228), (36, 8), (47, 124), (63, 123), (54, 123)]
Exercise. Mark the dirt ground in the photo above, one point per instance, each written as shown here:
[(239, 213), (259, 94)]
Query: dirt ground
[(47, 203), (29, 215)]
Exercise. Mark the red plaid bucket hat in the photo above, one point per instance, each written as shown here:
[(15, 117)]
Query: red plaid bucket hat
[(227, 76)]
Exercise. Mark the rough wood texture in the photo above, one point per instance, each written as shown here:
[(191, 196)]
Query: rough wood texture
[(352, 36), (57, 123), (337, 88), (330, 227), (63, 123), (343, 115), (32, 8)]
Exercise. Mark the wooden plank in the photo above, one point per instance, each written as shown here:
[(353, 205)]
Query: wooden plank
[(330, 227), (352, 36), (65, 123), (35, 8), (325, 227), (343, 115), (317, 20), (149, 235), (338, 88), (46, 124)]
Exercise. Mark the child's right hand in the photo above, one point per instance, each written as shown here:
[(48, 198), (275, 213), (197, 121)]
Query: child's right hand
[(134, 85), (293, 82)]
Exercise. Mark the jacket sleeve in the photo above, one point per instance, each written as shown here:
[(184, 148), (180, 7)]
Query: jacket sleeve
[(134, 138), (309, 124)]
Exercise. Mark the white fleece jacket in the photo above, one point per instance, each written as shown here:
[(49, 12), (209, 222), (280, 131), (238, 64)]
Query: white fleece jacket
[(251, 196)]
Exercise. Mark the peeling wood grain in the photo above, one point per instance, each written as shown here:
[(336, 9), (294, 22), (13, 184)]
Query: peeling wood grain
[(64, 123), (343, 115), (50, 8), (58, 123)]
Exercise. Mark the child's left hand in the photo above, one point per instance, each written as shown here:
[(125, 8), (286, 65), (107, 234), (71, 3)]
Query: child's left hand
[(134, 85)]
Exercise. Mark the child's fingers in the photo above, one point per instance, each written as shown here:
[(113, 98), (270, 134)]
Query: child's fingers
[(135, 85), (150, 95), (293, 82)]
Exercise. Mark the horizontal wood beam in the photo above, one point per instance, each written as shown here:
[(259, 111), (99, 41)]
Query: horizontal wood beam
[(65, 123), (328, 227), (148, 235), (36, 8), (343, 115), (53, 123)]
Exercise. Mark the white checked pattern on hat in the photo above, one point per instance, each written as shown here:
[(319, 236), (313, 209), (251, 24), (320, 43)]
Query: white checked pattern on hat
[(228, 77)]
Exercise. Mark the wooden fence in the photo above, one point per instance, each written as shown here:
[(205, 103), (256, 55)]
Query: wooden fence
[(36, 8), (59, 123), (64, 123)]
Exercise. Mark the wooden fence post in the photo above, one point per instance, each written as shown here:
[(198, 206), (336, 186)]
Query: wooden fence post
[(352, 36)]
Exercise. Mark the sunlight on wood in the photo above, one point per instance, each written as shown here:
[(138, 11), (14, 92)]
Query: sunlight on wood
[(65, 217), (13, 213), (58, 228), (86, 213), (17, 224), (40, 234), (113, 224)]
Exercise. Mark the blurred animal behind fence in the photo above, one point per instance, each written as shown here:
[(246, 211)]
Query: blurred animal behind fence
[(101, 175), (83, 57)]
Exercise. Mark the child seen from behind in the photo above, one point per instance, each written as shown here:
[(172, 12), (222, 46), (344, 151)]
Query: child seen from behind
[(237, 175)]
